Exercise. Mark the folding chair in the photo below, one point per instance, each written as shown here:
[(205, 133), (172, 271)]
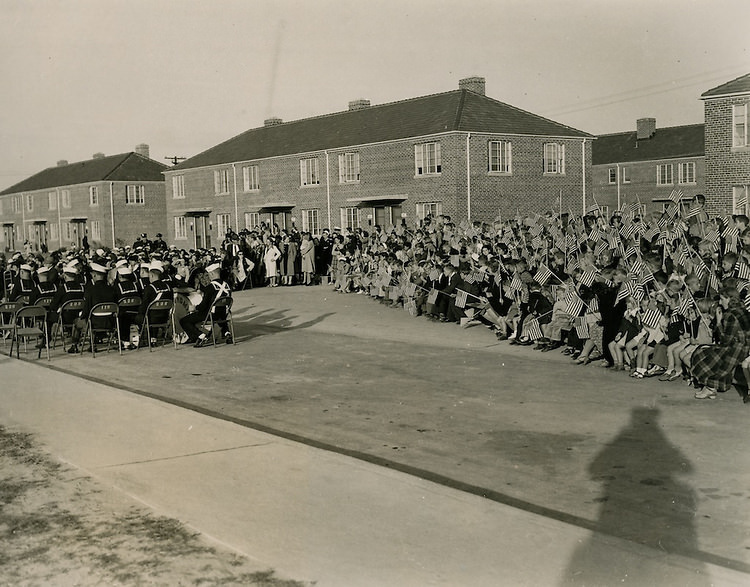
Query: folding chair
[(154, 309), (70, 306), (25, 299), (7, 319), (43, 301), (129, 307), (26, 325), (102, 313), (211, 321)]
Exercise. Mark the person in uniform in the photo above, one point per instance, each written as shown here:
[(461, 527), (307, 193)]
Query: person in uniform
[(97, 292), (215, 288), (43, 287), (125, 287), (157, 290), (23, 286), (68, 289), (142, 281), (158, 245)]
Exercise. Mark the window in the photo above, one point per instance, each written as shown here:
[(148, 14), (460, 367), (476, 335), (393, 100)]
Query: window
[(739, 125), (664, 174), (17, 203), (612, 175), (499, 155), (625, 174), (96, 230), (427, 159), (67, 231), (432, 209), (54, 232), (223, 224), (135, 194), (93, 196), (250, 178), (604, 211), (65, 198), (310, 221), (221, 181), (686, 172), (350, 218), (29, 202), (349, 168), (308, 172), (52, 200), (554, 158), (252, 219), (180, 228), (178, 187), (740, 195)]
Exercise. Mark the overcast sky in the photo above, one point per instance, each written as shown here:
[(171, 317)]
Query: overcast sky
[(86, 76)]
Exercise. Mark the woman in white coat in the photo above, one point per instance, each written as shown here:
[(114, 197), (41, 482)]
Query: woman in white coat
[(270, 258)]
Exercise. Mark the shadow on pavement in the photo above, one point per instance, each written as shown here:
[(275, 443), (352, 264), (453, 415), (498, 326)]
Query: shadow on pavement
[(642, 501), (266, 322)]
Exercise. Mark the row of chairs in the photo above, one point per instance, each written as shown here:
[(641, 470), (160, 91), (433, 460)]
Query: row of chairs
[(23, 322)]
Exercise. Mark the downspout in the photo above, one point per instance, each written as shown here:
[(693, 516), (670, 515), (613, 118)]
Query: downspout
[(328, 191), (618, 186), (23, 215), (583, 173), (236, 212), (59, 218), (112, 211), (468, 179)]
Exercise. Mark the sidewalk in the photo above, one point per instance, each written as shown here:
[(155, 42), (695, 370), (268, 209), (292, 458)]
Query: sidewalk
[(310, 514)]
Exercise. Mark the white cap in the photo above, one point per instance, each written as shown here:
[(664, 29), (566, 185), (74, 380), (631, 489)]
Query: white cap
[(98, 268), (213, 267), (121, 263), (26, 267), (42, 269), (156, 266), (70, 268), (124, 270)]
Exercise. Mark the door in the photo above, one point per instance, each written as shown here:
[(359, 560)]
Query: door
[(38, 236), (202, 235), (382, 216), (9, 240)]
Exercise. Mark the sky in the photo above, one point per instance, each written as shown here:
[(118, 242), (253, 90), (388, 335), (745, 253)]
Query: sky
[(87, 76)]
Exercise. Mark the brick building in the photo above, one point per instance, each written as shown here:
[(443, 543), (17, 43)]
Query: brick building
[(112, 200), (459, 153), (727, 112), (645, 165)]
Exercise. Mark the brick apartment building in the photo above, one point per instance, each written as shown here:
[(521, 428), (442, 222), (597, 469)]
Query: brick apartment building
[(727, 115), (111, 200), (645, 165), (459, 153)]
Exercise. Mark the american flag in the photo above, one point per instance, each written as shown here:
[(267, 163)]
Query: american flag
[(516, 283), (594, 305), (651, 318), (742, 200), (676, 196), (627, 230), (685, 303), (595, 235), (435, 274), (461, 298), (432, 296), (747, 302), (410, 290), (543, 274), (601, 246), (632, 251), (699, 267), (682, 256), (712, 236), (713, 282), (582, 327), (532, 329), (693, 212), (743, 271), (628, 288), (587, 278), (651, 233), (730, 244), (672, 212), (646, 276), (574, 304), (592, 208), (637, 268)]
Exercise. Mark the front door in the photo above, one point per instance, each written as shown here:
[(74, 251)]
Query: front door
[(9, 240), (38, 236), (79, 231), (202, 234)]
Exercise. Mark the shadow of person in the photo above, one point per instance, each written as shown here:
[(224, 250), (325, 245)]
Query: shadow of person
[(642, 501)]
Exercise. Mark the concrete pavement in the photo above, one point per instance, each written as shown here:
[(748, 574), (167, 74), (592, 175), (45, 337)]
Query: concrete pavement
[(315, 515)]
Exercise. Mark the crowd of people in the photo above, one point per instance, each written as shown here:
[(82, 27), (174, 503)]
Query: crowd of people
[(664, 294)]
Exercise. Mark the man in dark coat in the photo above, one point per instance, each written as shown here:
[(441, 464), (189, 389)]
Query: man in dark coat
[(96, 292)]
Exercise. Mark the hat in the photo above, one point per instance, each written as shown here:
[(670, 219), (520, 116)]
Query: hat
[(71, 269), (100, 252), (158, 235), (156, 266), (213, 267), (121, 263), (26, 267), (124, 270), (143, 235), (96, 268), (42, 269)]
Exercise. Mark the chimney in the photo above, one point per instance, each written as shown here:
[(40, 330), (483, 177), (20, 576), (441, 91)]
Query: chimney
[(62, 162), (273, 121), (473, 84), (360, 104), (645, 128), (143, 150), (97, 156)]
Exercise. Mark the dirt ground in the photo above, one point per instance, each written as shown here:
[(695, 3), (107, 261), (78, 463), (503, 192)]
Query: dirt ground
[(60, 527)]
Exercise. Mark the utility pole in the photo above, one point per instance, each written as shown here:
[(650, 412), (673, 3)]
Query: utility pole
[(175, 159)]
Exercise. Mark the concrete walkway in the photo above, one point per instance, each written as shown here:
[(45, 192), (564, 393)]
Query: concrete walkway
[(313, 515)]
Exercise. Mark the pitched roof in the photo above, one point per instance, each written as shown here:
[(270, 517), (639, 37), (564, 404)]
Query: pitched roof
[(667, 143), (124, 167), (457, 110), (740, 85)]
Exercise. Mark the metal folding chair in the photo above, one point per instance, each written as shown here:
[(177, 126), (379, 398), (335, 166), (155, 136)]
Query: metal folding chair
[(71, 306), (7, 319), (105, 312), (43, 301), (212, 321), (156, 308), (129, 307), (26, 325)]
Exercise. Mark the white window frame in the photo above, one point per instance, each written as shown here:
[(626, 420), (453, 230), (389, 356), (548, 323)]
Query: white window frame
[(251, 178), (740, 115), (29, 202), (223, 224), (54, 233), (349, 168), (665, 174), (17, 203), (135, 195), (427, 159), (625, 174), (93, 195), (221, 182), (433, 208), (553, 155), (252, 220), (311, 221), (178, 187), (500, 157), (612, 171), (180, 228), (308, 172), (67, 235), (96, 230), (65, 198), (52, 200), (686, 173), (350, 217), (738, 191)]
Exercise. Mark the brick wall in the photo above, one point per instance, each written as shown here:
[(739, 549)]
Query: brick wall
[(725, 166)]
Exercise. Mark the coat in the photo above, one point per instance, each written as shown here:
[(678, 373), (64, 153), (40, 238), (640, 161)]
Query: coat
[(307, 251)]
